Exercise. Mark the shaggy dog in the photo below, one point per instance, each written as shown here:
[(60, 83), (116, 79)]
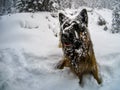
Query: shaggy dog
[(77, 46)]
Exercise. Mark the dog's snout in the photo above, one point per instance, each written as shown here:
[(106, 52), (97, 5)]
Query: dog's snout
[(64, 38)]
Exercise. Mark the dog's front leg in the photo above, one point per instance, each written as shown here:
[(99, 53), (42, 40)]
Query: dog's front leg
[(60, 64), (81, 80), (63, 63), (95, 75)]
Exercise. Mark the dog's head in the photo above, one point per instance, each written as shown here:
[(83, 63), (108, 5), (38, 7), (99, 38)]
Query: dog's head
[(70, 29)]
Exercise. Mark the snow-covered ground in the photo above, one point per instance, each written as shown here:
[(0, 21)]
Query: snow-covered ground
[(29, 53)]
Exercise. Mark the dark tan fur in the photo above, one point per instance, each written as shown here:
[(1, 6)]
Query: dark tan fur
[(87, 65), (85, 62)]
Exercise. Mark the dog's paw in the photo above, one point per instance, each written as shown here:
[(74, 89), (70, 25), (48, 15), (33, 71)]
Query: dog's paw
[(81, 84), (59, 65), (100, 81)]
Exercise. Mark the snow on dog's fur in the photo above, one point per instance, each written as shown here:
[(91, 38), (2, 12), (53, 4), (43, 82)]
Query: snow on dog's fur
[(77, 46)]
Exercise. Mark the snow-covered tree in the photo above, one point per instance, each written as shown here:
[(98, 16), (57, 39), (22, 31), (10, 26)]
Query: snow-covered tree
[(8, 6), (79, 3), (64, 4), (5, 6), (34, 5), (116, 17)]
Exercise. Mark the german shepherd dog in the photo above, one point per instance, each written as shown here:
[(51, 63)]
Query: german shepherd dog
[(77, 46)]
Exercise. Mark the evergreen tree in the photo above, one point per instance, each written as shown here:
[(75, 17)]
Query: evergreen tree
[(116, 17), (62, 4), (34, 5), (5, 6)]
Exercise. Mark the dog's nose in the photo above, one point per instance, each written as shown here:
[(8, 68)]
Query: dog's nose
[(64, 37)]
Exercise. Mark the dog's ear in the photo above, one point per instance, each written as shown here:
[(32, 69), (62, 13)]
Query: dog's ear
[(84, 16), (62, 18)]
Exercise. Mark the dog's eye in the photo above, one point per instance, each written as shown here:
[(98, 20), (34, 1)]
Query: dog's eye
[(66, 25), (76, 26)]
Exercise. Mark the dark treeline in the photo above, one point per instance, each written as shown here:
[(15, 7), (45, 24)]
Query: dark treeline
[(10, 6)]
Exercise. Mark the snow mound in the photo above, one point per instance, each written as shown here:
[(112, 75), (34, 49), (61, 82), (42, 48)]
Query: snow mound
[(29, 53)]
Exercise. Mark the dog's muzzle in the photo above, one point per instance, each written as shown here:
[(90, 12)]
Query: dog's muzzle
[(68, 40)]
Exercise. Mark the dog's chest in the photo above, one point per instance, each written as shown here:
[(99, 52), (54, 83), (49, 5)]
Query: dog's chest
[(78, 56)]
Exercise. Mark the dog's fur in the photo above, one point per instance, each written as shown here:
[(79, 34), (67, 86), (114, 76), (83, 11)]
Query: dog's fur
[(77, 46)]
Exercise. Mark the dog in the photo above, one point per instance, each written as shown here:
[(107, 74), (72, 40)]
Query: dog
[(77, 46)]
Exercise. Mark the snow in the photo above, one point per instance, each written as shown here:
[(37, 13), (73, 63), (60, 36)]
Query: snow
[(29, 53)]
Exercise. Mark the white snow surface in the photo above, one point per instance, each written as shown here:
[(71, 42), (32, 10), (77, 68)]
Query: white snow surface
[(29, 53)]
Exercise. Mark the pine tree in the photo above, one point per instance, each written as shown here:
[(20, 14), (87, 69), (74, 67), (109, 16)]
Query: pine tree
[(5, 6), (116, 17), (34, 5), (62, 4)]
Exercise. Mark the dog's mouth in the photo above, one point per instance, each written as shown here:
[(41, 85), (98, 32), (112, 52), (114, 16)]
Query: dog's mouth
[(67, 40), (67, 44)]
